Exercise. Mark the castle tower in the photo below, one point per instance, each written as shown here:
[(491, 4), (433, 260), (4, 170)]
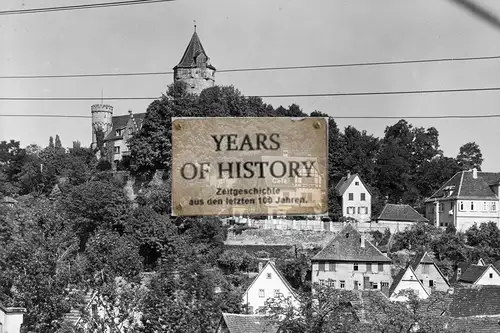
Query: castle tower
[(195, 68), (102, 120)]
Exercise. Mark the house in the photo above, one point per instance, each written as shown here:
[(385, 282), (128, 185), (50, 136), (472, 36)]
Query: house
[(356, 198), (462, 267), (11, 319), (429, 273), (479, 275), (468, 197), (241, 323), (407, 279), (404, 214), (269, 283), (351, 262)]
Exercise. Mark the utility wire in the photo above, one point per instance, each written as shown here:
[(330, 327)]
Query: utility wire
[(335, 117), (358, 64), (368, 93), (77, 7)]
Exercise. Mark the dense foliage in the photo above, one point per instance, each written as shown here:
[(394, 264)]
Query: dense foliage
[(75, 230)]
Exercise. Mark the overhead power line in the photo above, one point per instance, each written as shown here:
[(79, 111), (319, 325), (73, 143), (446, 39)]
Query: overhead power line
[(336, 117), (365, 93), (356, 64), (78, 7)]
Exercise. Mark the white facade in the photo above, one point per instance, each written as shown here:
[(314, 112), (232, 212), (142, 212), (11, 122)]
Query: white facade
[(352, 275), (356, 200), (268, 284), (408, 281), (489, 278), (11, 319)]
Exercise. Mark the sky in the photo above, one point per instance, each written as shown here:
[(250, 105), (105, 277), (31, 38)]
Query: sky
[(253, 34)]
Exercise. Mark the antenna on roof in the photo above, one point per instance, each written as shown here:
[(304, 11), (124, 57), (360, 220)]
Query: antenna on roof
[(194, 21)]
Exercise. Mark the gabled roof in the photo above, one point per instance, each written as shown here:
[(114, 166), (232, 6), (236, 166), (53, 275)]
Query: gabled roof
[(474, 273), (407, 274), (346, 181), (475, 301), (120, 122), (278, 273), (241, 323), (392, 212), (424, 258), (193, 49), (346, 246), (464, 186)]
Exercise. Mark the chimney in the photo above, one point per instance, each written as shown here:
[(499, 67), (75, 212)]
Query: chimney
[(474, 173), (261, 265), (362, 241), (348, 174)]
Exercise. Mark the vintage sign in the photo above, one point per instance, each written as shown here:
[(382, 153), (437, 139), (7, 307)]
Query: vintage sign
[(249, 166)]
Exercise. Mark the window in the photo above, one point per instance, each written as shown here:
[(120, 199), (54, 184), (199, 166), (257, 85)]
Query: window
[(459, 270), (493, 207), (321, 282), (119, 132), (269, 275), (356, 268), (261, 293), (332, 267), (441, 207), (374, 285), (276, 292), (356, 183), (351, 196), (369, 267), (431, 283), (116, 149), (363, 196), (321, 266), (472, 208), (485, 206), (461, 206), (351, 210), (342, 284), (384, 284), (380, 267), (331, 283), (491, 275)]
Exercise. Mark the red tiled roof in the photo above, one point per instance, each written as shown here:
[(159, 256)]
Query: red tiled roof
[(463, 186), (346, 246), (241, 323), (475, 301), (392, 212), (193, 49)]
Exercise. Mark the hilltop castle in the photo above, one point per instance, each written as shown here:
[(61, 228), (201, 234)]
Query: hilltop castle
[(113, 132)]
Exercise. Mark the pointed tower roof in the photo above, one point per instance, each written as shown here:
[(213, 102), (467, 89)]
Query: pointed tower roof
[(193, 49)]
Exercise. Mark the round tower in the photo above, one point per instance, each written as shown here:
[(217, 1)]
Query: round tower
[(102, 120), (195, 68)]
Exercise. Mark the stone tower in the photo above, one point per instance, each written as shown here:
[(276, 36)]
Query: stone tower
[(195, 68), (102, 120)]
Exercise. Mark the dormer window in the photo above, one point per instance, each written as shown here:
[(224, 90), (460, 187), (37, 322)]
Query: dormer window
[(119, 132)]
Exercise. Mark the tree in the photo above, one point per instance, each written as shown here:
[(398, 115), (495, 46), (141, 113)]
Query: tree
[(418, 237), (470, 156), (58, 144), (323, 310)]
